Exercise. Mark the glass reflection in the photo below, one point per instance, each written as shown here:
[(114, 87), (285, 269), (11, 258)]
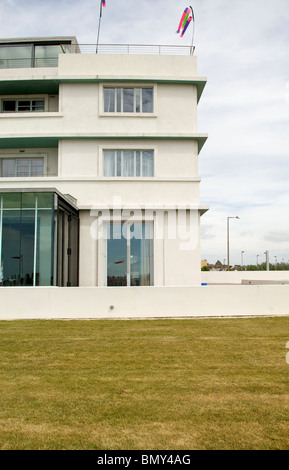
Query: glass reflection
[(31, 55), (147, 100), (128, 100), (116, 256), (129, 254), (47, 55), (140, 255), (28, 241), (15, 56)]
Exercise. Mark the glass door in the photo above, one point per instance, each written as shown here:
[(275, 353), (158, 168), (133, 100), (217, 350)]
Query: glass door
[(129, 254), (68, 243), (116, 256), (140, 255)]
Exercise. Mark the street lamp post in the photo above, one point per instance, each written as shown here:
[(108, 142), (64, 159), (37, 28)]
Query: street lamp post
[(257, 260), (242, 259), (266, 253), (228, 239)]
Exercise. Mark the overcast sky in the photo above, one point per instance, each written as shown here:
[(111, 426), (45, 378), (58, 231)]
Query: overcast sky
[(242, 49)]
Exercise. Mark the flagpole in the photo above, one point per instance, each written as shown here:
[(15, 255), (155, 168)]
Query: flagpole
[(192, 46), (100, 15)]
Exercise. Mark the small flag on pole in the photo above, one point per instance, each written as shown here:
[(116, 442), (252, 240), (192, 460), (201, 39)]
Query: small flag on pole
[(103, 3)]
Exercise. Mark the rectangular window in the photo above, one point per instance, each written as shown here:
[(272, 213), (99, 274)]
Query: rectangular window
[(21, 167), (14, 56), (129, 254), (128, 100), (128, 163), (47, 55), (32, 55), (23, 105)]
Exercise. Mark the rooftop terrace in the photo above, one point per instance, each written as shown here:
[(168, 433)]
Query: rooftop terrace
[(44, 52)]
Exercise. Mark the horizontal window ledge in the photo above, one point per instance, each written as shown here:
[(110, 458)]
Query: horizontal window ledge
[(148, 179), (113, 136), (19, 115), (129, 115), (135, 179), (35, 141), (31, 179), (149, 207), (48, 83)]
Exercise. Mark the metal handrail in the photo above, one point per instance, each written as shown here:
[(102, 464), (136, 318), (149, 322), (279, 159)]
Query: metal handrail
[(154, 49)]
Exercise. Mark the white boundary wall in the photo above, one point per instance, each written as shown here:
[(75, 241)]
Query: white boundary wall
[(236, 277), (142, 302)]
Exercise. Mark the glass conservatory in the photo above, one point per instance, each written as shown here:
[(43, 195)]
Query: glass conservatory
[(38, 239)]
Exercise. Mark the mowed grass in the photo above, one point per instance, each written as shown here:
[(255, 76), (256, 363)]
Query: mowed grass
[(145, 384)]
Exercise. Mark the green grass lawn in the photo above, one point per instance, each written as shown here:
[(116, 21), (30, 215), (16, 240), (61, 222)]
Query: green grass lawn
[(145, 384)]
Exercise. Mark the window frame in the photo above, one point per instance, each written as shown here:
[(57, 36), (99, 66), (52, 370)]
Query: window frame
[(122, 150), (31, 59), (134, 86), (19, 98), (128, 223), (30, 157)]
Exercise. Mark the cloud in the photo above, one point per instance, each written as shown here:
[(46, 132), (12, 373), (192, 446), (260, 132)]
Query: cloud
[(207, 232), (277, 237)]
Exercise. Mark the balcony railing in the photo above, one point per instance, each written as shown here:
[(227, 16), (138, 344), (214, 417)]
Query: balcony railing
[(28, 62), (136, 49)]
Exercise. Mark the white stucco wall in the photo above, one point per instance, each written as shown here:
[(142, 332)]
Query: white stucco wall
[(142, 302), (127, 66), (173, 158), (176, 250), (79, 113), (94, 192)]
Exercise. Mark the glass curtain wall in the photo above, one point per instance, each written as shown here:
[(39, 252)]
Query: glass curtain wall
[(130, 254), (28, 240)]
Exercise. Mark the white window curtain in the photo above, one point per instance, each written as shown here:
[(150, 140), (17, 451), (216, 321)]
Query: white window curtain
[(109, 100), (128, 100), (147, 163), (37, 167), (128, 163), (8, 168), (109, 162), (22, 168)]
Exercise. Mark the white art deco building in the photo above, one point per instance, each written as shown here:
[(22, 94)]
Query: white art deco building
[(99, 182)]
